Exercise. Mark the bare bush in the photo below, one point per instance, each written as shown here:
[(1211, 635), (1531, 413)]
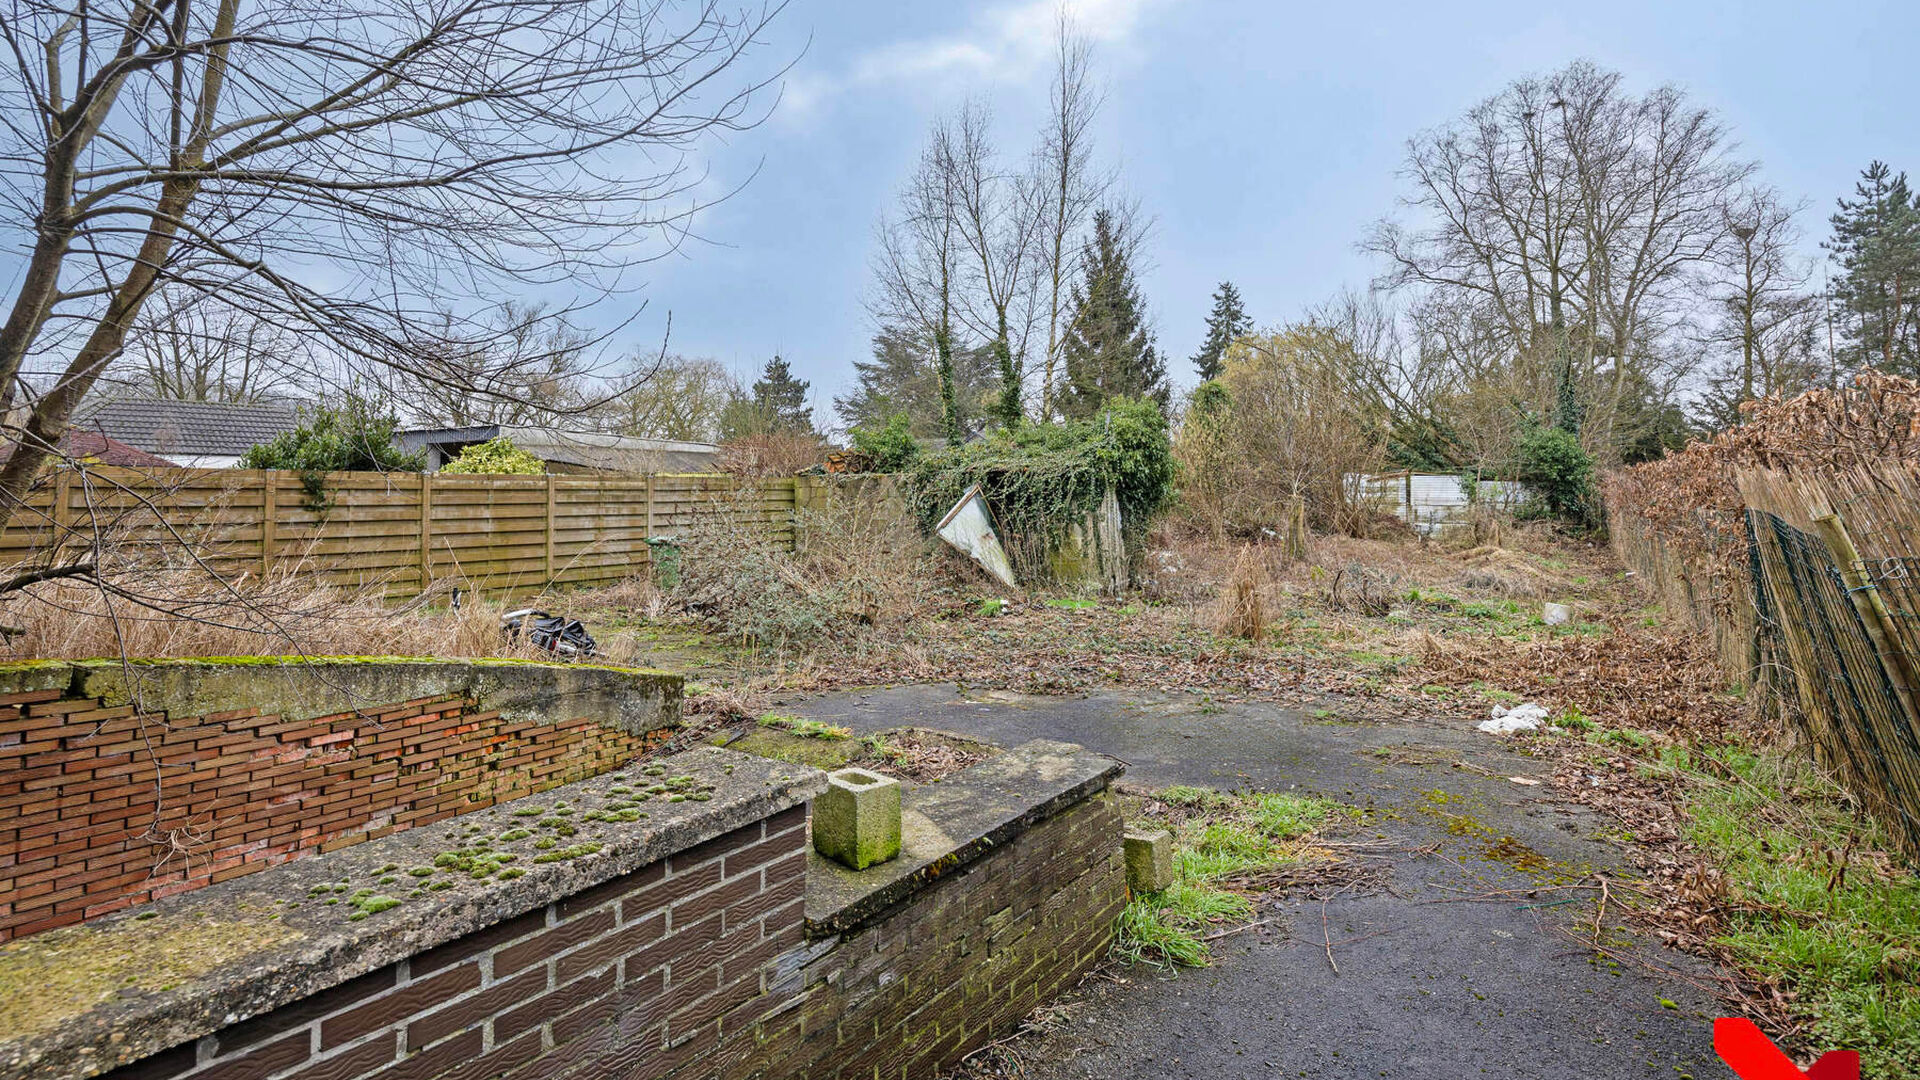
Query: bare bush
[(1239, 611), (859, 566), (863, 535), (1290, 434), (778, 453)]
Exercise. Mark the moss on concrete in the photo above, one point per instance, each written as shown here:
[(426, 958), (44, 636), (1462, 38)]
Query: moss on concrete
[(635, 700), (826, 754), (51, 978)]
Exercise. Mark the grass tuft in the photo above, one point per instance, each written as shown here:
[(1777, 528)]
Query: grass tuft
[(1840, 930), (1227, 834), (803, 727)]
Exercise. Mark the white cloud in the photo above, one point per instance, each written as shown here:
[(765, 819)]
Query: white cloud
[(1007, 43)]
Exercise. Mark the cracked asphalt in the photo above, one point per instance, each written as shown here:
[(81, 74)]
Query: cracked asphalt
[(1431, 983)]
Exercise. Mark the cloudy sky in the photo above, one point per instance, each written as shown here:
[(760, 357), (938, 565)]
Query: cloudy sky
[(1262, 136)]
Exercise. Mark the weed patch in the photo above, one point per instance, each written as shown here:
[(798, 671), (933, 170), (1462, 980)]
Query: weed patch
[(1811, 904), (1216, 836), (803, 727)]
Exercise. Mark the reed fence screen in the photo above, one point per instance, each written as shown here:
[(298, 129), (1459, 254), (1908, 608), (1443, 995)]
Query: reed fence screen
[(1812, 599), (400, 533)]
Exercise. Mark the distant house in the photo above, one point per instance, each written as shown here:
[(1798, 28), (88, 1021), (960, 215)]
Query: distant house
[(93, 448), (192, 434), (568, 451)]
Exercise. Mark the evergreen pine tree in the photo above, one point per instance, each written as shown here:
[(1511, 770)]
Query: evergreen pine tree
[(775, 404), (1108, 348), (1228, 321), (1876, 247), (903, 377), (783, 398)]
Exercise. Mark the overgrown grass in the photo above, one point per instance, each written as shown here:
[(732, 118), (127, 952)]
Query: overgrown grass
[(1223, 835), (1165, 930), (803, 727), (1810, 905)]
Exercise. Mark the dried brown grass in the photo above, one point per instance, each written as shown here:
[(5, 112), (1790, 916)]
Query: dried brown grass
[(1239, 611), (776, 454), (185, 614)]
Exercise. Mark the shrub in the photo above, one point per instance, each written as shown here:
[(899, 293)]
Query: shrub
[(496, 456), (346, 439), (1552, 460), (779, 453), (892, 448), (859, 565)]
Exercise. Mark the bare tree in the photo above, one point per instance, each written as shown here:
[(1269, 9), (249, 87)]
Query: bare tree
[(1768, 321), (352, 169), (677, 397), (1069, 185), (530, 368), (1575, 223), (195, 348), (919, 262), (1000, 214)]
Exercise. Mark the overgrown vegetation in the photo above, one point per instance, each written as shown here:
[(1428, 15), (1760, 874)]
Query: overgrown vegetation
[(495, 456), (1551, 460), (1806, 897), (1217, 835), (351, 438), (890, 448), (1039, 479), (860, 563)]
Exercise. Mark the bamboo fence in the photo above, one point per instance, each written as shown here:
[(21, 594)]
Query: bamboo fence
[(1812, 599), (400, 533)]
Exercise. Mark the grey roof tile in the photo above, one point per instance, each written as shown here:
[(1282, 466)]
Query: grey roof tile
[(187, 427)]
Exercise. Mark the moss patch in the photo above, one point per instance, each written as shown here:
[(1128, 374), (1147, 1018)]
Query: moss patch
[(50, 978)]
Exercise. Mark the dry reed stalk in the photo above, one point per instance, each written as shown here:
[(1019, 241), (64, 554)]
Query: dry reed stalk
[(177, 613), (1239, 611)]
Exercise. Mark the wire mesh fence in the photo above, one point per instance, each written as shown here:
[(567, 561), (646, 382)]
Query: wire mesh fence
[(1819, 640)]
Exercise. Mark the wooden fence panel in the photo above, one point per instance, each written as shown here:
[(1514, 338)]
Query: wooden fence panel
[(398, 532)]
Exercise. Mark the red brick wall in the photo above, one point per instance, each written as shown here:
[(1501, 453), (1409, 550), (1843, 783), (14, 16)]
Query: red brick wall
[(699, 966), (101, 808)]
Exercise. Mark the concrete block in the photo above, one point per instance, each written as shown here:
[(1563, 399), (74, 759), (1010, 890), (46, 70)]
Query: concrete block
[(1149, 860), (856, 821)]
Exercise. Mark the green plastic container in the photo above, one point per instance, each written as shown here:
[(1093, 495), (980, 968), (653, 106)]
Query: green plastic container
[(664, 553)]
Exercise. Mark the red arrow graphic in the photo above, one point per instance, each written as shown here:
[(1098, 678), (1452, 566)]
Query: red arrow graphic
[(1752, 1056)]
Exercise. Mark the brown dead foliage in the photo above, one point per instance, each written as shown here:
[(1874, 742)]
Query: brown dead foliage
[(1635, 678), (1238, 612), (927, 756)]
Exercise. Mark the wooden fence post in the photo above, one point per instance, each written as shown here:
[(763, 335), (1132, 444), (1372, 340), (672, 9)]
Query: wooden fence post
[(62, 513), (426, 530), (550, 508), (269, 521), (1872, 608)]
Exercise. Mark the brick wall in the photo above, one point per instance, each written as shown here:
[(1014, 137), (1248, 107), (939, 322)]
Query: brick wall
[(699, 966), (102, 808), (960, 964)]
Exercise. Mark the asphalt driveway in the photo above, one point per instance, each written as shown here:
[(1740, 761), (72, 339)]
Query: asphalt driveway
[(1430, 982)]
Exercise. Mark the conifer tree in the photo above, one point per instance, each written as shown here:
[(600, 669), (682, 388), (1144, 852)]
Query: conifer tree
[(1876, 250), (775, 404), (1108, 348), (903, 377), (1228, 321)]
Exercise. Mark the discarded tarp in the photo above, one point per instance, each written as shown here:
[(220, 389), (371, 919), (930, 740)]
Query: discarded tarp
[(968, 528)]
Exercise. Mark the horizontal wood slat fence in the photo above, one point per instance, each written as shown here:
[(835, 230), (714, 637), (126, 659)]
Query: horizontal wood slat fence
[(399, 532)]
